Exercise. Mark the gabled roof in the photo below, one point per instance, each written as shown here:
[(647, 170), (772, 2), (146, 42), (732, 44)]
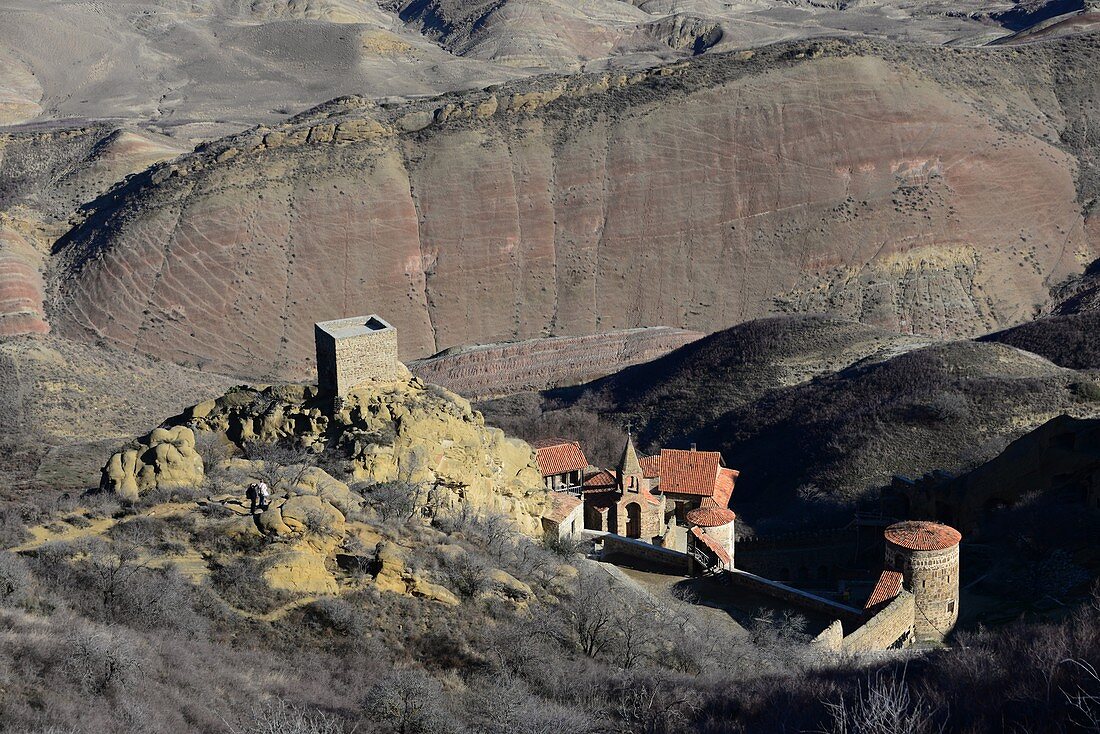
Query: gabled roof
[(888, 586), (689, 472), (651, 466), (599, 481), (723, 486), (558, 456), (562, 505)]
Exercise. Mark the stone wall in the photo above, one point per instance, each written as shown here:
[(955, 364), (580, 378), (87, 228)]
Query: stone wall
[(850, 616), (812, 556), (892, 624), (675, 561), (933, 579)]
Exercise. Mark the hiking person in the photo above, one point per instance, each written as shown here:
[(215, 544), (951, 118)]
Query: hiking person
[(253, 495), (265, 495)]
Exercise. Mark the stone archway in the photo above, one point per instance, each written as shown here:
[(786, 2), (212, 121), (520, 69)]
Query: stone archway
[(633, 520)]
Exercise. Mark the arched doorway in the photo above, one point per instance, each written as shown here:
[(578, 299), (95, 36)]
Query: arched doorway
[(613, 519), (633, 520)]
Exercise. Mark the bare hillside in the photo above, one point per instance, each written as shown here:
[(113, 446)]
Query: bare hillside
[(864, 181)]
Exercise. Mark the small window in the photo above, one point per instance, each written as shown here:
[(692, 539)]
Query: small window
[(950, 606)]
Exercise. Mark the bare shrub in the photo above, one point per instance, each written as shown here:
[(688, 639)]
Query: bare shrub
[(100, 660), (394, 500), (318, 522), (1084, 696), (279, 717), (884, 705), (213, 447), (16, 580), (565, 547), (410, 702), (338, 616), (241, 583), (13, 526), (283, 464), (466, 575)]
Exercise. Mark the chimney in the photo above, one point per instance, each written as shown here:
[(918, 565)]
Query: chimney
[(693, 447)]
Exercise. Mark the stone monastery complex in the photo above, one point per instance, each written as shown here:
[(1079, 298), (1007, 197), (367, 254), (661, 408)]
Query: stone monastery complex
[(673, 508)]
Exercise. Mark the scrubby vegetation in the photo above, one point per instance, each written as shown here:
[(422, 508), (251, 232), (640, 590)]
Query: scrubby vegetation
[(1068, 340), (95, 637), (949, 406)]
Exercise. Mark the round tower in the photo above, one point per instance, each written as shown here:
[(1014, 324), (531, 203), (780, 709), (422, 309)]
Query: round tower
[(926, 554), (717, 524)]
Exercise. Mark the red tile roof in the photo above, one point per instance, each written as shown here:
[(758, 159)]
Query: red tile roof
[(922, 535), (689, 472), (714, 546), (558, 456), (888, 586), (562, 505), (651, 466), (600, 480), (723, 487), (710, 517)]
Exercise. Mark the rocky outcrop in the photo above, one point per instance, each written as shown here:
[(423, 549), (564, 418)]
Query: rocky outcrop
[(406, 431), (165, 458), (862, 181)]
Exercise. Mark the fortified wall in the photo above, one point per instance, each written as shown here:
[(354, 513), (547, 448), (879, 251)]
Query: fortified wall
[(817, 555)]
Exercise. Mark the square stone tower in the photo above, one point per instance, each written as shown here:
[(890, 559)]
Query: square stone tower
[(352, 351)]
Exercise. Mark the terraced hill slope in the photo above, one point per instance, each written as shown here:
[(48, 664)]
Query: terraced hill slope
[(867, 181)]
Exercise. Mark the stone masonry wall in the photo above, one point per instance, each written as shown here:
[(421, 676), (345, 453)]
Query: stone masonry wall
[(371, 356), (933, 579), (892, 623), (640, 549), (741, 579), (805, 557)]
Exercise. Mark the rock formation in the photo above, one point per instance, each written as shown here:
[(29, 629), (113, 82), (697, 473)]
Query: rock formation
[(865, 181), (404, 431)]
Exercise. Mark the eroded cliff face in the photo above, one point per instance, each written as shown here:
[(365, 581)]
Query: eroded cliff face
[(824, 178)]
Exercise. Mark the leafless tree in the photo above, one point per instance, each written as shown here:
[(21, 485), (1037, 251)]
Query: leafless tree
[(409, 702), (1085, 698), (592, 612), (280, 717), (112, 570), (284, 465), (100, 659), (394, 500), (884, 705)]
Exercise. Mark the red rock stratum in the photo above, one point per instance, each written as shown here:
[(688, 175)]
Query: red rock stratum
[(875, 183)]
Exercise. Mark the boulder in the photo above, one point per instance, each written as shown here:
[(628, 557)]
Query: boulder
[(299, 571), (164, 458)]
